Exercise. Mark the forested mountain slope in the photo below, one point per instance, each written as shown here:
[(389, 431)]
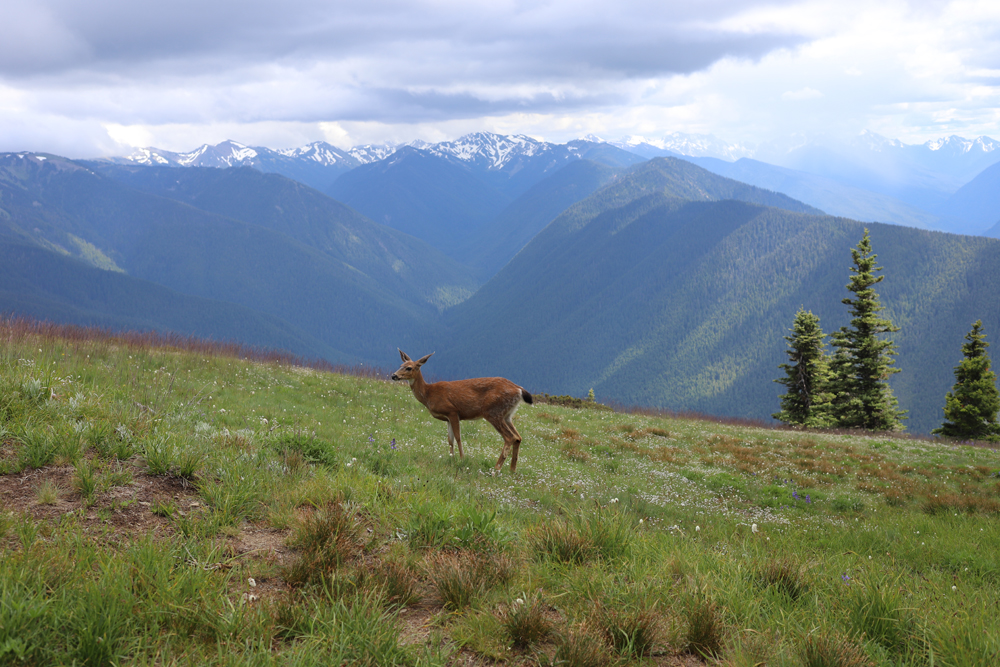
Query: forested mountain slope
[(68, 208), (657, 300), (47, 285), (397, 261), (425, 195), (501, 238)]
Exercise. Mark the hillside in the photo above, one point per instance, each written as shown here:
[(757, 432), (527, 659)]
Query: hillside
[(824, 193), (424, 195), (496, 242), (176, 505), (42, 284), (653, 300), (343, 301), (977, 203), (394, 260)]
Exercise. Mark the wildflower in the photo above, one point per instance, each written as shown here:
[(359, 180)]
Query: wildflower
[(392, 445), (954, 588), (845, 578), (697, 529), (251, 581), (753, 528)]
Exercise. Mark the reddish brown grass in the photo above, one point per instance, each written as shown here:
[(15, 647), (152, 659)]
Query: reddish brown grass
[(18, 330)]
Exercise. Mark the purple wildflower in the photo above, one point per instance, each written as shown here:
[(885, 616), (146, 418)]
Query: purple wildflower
[(392, 445)]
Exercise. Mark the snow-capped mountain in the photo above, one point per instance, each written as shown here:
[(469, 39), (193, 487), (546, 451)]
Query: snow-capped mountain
[(492, 151), (369, 153), (319, 152), (512, 162), (317, 164), (956, 144)]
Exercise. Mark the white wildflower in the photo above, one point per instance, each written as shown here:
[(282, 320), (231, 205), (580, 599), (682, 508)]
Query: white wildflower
[(753, 528)]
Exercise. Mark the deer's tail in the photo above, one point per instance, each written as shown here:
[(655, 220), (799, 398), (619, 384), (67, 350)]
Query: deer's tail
[(526, 396)]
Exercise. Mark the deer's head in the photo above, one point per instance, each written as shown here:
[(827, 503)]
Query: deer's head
[(410, 368)]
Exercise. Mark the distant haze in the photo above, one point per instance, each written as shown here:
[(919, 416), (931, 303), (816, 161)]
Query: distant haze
[(97, 79)]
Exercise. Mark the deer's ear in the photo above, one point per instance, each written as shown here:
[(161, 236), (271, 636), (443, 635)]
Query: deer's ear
[(423, 360), (404, 355)]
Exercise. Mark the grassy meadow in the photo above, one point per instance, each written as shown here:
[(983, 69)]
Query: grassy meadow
[(169, 503)]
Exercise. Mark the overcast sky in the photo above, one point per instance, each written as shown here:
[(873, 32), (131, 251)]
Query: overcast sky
[(93, 78)]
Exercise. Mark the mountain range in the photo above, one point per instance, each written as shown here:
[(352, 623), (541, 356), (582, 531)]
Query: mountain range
[(869, 178), (566, 267)]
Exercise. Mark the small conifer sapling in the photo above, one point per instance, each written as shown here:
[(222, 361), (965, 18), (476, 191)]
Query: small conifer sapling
[(972, 405), (807, 401)]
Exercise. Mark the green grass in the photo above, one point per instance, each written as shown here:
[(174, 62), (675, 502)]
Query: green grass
[(130, 534)]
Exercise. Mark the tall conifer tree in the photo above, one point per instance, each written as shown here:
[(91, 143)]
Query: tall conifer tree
[(971, 407), (863, 361), (807, 402)]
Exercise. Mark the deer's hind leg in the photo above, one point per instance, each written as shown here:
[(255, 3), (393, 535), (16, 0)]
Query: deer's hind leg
[(510, 437), (515, 441), (455, 435)]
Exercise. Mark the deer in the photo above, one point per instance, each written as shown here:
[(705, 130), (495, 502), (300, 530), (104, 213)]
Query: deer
[(493, 399)]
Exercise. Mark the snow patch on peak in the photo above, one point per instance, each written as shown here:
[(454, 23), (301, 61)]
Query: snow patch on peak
[(372, 152), (493, 150), (958, 144)]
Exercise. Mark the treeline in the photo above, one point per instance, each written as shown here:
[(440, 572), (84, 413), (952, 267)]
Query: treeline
[(849, 388)]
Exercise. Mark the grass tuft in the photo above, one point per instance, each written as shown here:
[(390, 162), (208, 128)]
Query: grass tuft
[(461, 578), (877, 613), (632, 629), (705, 633), (327, 538), (783, 576), (524, 621), (824, 650), (580, 647)]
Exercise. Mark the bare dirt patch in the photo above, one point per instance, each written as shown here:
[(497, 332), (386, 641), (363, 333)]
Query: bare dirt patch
[(128, 509)]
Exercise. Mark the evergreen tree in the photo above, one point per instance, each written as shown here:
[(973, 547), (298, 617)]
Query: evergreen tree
[(971, 407), (863, 361), (807, 402)]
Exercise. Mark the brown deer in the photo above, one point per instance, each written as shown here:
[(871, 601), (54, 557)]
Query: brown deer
[(493, 399)]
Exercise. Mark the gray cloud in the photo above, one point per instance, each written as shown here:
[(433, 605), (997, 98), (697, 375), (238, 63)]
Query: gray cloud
[(456, 41), (130, 62), (92, 67)]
